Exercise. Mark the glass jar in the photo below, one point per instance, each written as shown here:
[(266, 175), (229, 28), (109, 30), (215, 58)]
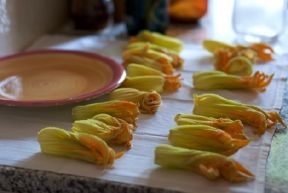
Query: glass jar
[(259, 20)]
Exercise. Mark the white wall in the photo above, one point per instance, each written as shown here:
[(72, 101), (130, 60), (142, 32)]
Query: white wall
[(28, 19)]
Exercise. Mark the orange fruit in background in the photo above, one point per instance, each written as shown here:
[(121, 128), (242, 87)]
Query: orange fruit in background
[(187, 10)]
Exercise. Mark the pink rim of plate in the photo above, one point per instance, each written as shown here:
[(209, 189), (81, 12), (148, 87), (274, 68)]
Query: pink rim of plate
[(119, 75)]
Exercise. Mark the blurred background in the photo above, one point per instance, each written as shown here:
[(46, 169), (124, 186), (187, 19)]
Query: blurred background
[(22, 22)]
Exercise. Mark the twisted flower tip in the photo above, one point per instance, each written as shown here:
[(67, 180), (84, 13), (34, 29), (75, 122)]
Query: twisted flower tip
[(264, 51), (258, 81), (147, 101), (275, 118), (208, 164), (150, 102), (82, 146), (172, 83)]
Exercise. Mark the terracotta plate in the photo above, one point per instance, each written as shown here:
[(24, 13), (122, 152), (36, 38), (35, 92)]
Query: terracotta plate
[(56, 77)]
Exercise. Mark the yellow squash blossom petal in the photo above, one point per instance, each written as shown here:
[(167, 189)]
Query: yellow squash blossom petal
[(212, 45), (134, 69), (146, 52), (163, 61), (264, 51), (206, 138), (90, 148), (148, 102), (177, 61), (160, 40), (172, 82), (213, 105), (112, 130), (238, 59), (207, 164), (125, 110), (220, 80), (159, 64), (233, 127), (145, 83), (260, 51), (237, 65)]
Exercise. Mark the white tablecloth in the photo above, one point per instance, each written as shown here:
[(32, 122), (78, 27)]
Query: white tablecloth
[(19, 127)]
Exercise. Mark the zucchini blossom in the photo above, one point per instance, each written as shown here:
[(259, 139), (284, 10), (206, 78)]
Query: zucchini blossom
[(210, 165), (148, 102), (145, 83), (220, 80), (233, 127), (125, 110), (238, 60), (206, 138), (82, 146), (168, 42), (177, 61), (113, 130), (171, 83), (150, 58), (255, 51), (213, 105)]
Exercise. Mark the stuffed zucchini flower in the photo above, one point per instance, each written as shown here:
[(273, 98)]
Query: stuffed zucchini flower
[(82, 146), (233, 127), (213, 105), (150, 58), (171, 82), (168, 42), (148, 102), (206, 138), (208, 164), (125, 110), (177, 61), (113, 130), (219, 80)]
